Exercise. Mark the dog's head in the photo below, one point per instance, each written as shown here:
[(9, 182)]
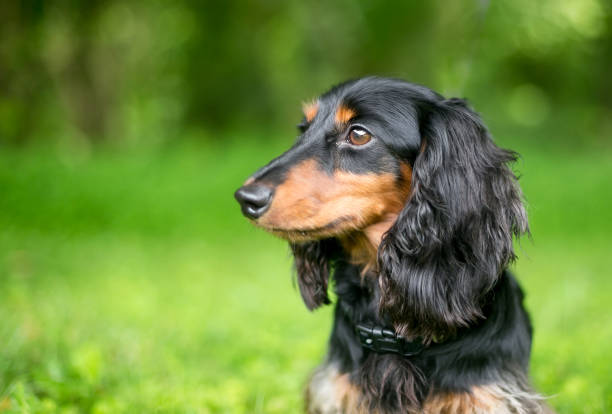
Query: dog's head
[(408, 184)]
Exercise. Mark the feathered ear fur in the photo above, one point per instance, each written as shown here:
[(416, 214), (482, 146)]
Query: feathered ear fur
[(312, 265), (454, 236)]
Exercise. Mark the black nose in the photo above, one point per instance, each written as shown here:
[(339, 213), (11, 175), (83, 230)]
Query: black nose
[(254, 199)]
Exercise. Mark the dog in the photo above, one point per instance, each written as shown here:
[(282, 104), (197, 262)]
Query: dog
[(401, 197)]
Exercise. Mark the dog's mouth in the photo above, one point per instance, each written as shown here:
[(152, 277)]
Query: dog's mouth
[(331, 229)]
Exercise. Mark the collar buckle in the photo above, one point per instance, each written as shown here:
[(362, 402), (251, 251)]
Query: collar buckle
[(380, 339), (383, 340)]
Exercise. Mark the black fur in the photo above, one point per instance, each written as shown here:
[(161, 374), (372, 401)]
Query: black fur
[(496, 346), (454, 237), (312, 267)]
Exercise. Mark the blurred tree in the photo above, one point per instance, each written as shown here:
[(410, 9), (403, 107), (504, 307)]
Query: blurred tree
[(125, 70)]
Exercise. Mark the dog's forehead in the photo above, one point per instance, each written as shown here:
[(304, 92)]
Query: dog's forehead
[(382, 102), (375, 90), (388, 107)]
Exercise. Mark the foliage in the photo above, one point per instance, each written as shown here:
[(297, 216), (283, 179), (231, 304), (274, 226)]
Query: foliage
[(156, 71)]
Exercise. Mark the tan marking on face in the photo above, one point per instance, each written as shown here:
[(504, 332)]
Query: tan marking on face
[(248, 181), (344, 114), (312, 204), (362, 246), (310, 110)]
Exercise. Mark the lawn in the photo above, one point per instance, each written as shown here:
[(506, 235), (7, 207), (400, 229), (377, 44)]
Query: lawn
[(129, 282)]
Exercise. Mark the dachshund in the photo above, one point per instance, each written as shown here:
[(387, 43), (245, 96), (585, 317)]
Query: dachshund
[(401, 197)]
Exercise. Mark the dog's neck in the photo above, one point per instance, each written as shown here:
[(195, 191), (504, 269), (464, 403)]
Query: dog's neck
[(361, 246)]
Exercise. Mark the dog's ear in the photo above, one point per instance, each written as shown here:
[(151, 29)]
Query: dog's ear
[(312, 265), (453, 238)]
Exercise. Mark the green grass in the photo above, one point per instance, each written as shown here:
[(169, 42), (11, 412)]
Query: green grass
[(130, 283)]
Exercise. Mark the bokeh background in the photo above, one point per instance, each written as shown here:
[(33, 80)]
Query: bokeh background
[(129, 282)]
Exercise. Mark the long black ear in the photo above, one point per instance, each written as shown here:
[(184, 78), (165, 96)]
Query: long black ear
[(312, 265), (454, 236)]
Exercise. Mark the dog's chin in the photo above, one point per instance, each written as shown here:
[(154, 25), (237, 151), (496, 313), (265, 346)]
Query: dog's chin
[(302, 234)]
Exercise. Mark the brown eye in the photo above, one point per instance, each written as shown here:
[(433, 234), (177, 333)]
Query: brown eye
[(359, 136)]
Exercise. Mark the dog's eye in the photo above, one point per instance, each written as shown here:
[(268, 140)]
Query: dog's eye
[(359, 136)]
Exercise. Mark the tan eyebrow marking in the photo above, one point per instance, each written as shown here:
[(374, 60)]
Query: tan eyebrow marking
[(310, 110), (344, 114)]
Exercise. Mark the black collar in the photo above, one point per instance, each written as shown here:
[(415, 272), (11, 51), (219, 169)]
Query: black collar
[(378, 338)]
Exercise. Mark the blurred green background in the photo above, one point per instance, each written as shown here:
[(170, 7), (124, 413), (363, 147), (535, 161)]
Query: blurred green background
[(129, 282)]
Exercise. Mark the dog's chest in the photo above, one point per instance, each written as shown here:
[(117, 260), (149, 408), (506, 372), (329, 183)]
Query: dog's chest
[(330, 392)]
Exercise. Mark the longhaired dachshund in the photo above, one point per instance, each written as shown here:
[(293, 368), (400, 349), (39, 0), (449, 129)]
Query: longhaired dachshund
[(401, 196)]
